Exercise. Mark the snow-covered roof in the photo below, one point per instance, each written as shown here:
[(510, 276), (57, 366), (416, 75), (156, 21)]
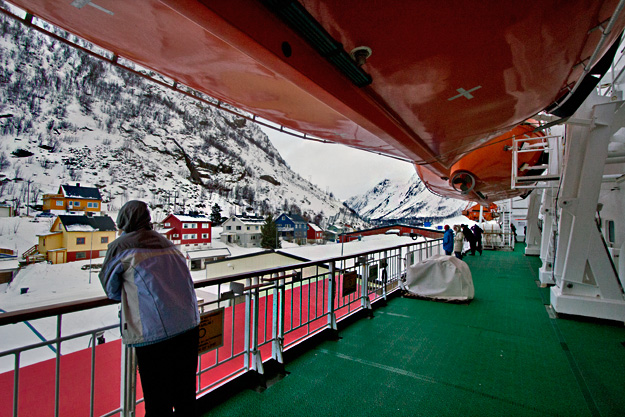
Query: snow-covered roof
[(77, 191), (9, 264), (88, 223), (315, 227), (188, 218), (247, 220), (80, 228), (208, 253), (48, 234)]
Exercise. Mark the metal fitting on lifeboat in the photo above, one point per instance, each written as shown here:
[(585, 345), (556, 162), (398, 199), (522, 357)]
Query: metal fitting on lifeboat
[(463, 181)]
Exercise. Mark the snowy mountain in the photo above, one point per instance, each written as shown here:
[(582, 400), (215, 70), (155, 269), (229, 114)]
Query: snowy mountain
[(66, 117), (408, 201)]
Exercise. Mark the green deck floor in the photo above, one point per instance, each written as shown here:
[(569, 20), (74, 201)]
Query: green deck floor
[(500, 355)]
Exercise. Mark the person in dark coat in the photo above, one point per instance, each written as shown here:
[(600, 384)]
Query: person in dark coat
[(477, 232), (513, 229), (468, 235), (160, 317), (448, 240)]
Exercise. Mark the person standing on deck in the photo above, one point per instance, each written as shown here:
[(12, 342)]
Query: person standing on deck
[(468, 235), (458, 242), (160, 316), (477, 232), (448, 240), (513, 229)]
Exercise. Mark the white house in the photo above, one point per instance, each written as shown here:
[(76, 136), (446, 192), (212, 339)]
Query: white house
[(243, 231)]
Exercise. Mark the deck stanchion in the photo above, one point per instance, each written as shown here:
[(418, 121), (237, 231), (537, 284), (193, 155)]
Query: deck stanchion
[(92, 380), (332, 283), (128, 381), (257, 360), (57, 371), (277, 331), (365, 303), (248, 318), (16, 383)]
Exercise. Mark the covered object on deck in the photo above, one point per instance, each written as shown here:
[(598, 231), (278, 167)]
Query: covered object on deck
[(444, 278)]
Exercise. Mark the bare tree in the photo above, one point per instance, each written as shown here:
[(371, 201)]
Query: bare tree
[(4, 161)]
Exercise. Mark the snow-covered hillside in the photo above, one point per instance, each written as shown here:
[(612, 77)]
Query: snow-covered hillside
[(404, 201), (68, 118)]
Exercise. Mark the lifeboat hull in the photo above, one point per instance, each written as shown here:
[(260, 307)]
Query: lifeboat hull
[(444, 77), (484, 175)]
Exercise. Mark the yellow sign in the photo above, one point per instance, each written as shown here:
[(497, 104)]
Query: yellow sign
[(211, 330), (349, 282)]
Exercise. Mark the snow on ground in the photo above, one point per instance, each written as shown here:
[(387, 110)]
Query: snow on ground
[(335, 250), (20, 233)]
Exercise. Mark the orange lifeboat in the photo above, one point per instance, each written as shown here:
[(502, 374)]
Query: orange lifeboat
[(335, 70), (461, 74), (484, 175), (472, 212)]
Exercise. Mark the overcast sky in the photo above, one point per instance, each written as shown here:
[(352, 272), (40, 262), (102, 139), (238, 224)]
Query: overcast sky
[(342, 170)]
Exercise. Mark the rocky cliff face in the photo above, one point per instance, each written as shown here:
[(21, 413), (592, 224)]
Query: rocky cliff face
[(69, 117)]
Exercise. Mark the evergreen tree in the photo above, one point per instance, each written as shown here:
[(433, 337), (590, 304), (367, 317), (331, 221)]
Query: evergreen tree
[(216, 214), (269, 234)]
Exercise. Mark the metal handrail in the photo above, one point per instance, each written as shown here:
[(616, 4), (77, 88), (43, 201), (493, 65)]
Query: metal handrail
[(52, 310), (312, 303)]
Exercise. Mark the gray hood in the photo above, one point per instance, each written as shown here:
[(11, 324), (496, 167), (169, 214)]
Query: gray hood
[(134, 216)]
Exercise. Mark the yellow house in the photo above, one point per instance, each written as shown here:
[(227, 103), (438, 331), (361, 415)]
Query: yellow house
[(75, 238), (74, 198)]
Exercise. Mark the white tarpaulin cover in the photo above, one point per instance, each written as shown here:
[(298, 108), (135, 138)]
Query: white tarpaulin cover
[(440, 277)]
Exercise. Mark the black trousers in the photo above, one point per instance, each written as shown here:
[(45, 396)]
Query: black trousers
[(167, 371)]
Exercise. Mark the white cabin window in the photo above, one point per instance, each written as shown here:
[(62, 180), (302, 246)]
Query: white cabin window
[(204, 235), (189, 225)]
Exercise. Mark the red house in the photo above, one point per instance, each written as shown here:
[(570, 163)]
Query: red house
[(314, 234), (187, 230)]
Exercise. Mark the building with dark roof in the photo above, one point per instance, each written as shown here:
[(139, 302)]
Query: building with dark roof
[(74, 198), (292, 227), (74, 238)]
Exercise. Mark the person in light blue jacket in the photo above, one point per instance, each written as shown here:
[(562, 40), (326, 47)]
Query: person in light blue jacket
[(149, 276), (448, 240)]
